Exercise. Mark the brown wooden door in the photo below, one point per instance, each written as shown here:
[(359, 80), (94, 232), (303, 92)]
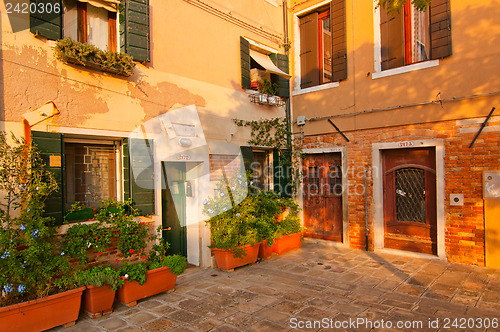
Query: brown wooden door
[(323, 196), (410, 219)]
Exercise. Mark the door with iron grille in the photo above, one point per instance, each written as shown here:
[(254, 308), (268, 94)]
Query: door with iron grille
[(322, 196), (410, 218)]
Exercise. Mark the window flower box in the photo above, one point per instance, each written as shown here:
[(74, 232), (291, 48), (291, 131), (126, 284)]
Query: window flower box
[(87, 55)]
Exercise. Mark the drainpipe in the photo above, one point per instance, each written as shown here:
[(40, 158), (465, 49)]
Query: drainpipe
[(289, 101), (367, 230)]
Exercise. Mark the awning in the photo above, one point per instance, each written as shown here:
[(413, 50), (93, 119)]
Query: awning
[(266, 62), (109, 5)]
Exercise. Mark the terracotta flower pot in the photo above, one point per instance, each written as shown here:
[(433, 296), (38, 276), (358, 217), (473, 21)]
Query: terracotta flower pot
[(287, 243), (98, 301), (265, 250), (42, 314), (157, 281), (226, 260)]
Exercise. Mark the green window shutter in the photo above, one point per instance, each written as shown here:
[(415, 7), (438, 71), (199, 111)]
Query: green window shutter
[(247, 154), (339, 51), (47, 25), (392, 39), (139, 177), (281, 61), (134, 29), (245, 63), (52, 145), (282, 172), (440, 16)]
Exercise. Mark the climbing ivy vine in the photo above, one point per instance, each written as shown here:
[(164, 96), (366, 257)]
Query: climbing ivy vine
[(274, 133)]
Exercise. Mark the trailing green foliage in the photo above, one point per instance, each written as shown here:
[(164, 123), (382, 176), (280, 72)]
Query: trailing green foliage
[(274, 133), (99, 276), (176, 263), (83, 53)]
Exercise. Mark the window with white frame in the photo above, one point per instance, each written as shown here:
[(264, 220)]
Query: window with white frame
[(409, 36)]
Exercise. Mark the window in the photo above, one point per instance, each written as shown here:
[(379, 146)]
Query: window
[(322, 45), (258, 63), (411, 36), (90, 174), (87, 170), (261, 170), (95, 22), (91, 22)]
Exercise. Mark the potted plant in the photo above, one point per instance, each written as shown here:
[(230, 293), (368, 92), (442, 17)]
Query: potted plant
[(157, 274), (288, 235), (79, 212), (88, 55), (102, 283), (234, 237), (268, 91), (37, 290)]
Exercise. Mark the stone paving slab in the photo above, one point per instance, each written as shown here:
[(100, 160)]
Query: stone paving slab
[(319, 287)]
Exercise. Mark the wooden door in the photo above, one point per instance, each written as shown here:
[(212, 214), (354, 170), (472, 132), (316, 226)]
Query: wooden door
[(322, 196), (410, 220)]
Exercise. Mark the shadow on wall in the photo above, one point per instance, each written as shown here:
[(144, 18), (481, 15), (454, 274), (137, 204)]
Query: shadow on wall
[(2, 105)]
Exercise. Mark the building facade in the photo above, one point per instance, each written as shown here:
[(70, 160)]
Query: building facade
[(386, 107), (161, 136)]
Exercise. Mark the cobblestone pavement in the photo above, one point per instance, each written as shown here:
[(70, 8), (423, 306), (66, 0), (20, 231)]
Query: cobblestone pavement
[(319, 282)]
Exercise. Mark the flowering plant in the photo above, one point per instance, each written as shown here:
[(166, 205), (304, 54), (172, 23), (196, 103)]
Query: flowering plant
[(31, 264), (121, 216)]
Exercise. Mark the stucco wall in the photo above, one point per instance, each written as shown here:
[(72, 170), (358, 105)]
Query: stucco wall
[(469, 72)]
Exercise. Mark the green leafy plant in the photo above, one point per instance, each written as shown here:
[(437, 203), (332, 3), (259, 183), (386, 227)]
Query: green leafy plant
[(134, 271), (99, 276), (176, 263), (118, 63), (121, 216), (31, 264), (291, 224), (80, 238), (265, 86)]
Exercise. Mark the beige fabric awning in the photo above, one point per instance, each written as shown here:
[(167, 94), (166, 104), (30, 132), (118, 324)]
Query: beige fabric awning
[(109, 5), (266, 62)]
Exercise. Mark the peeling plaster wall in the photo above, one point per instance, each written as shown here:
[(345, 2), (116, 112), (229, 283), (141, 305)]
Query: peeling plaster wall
[(176, 76)]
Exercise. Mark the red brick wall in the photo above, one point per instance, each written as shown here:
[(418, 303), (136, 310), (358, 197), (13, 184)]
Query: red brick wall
[(230, 164), (464, 231)]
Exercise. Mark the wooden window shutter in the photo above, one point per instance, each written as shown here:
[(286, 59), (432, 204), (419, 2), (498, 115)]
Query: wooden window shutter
[(47, 25), (440, 17), (82, 21), (247, 154), (281, 61), (134, 29), (138, 176), (282, 172), (112, 31), (339, 51), (51, 148), (245, 63), (392, 39), (309, 51)]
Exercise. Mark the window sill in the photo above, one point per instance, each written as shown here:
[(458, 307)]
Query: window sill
[(405, 69), (315, 88)]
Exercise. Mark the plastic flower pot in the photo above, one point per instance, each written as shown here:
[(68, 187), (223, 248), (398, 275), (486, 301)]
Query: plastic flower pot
[(226, 260), (98, 301), (157, 281), (265, 250), (43, 314), (287, 243)]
